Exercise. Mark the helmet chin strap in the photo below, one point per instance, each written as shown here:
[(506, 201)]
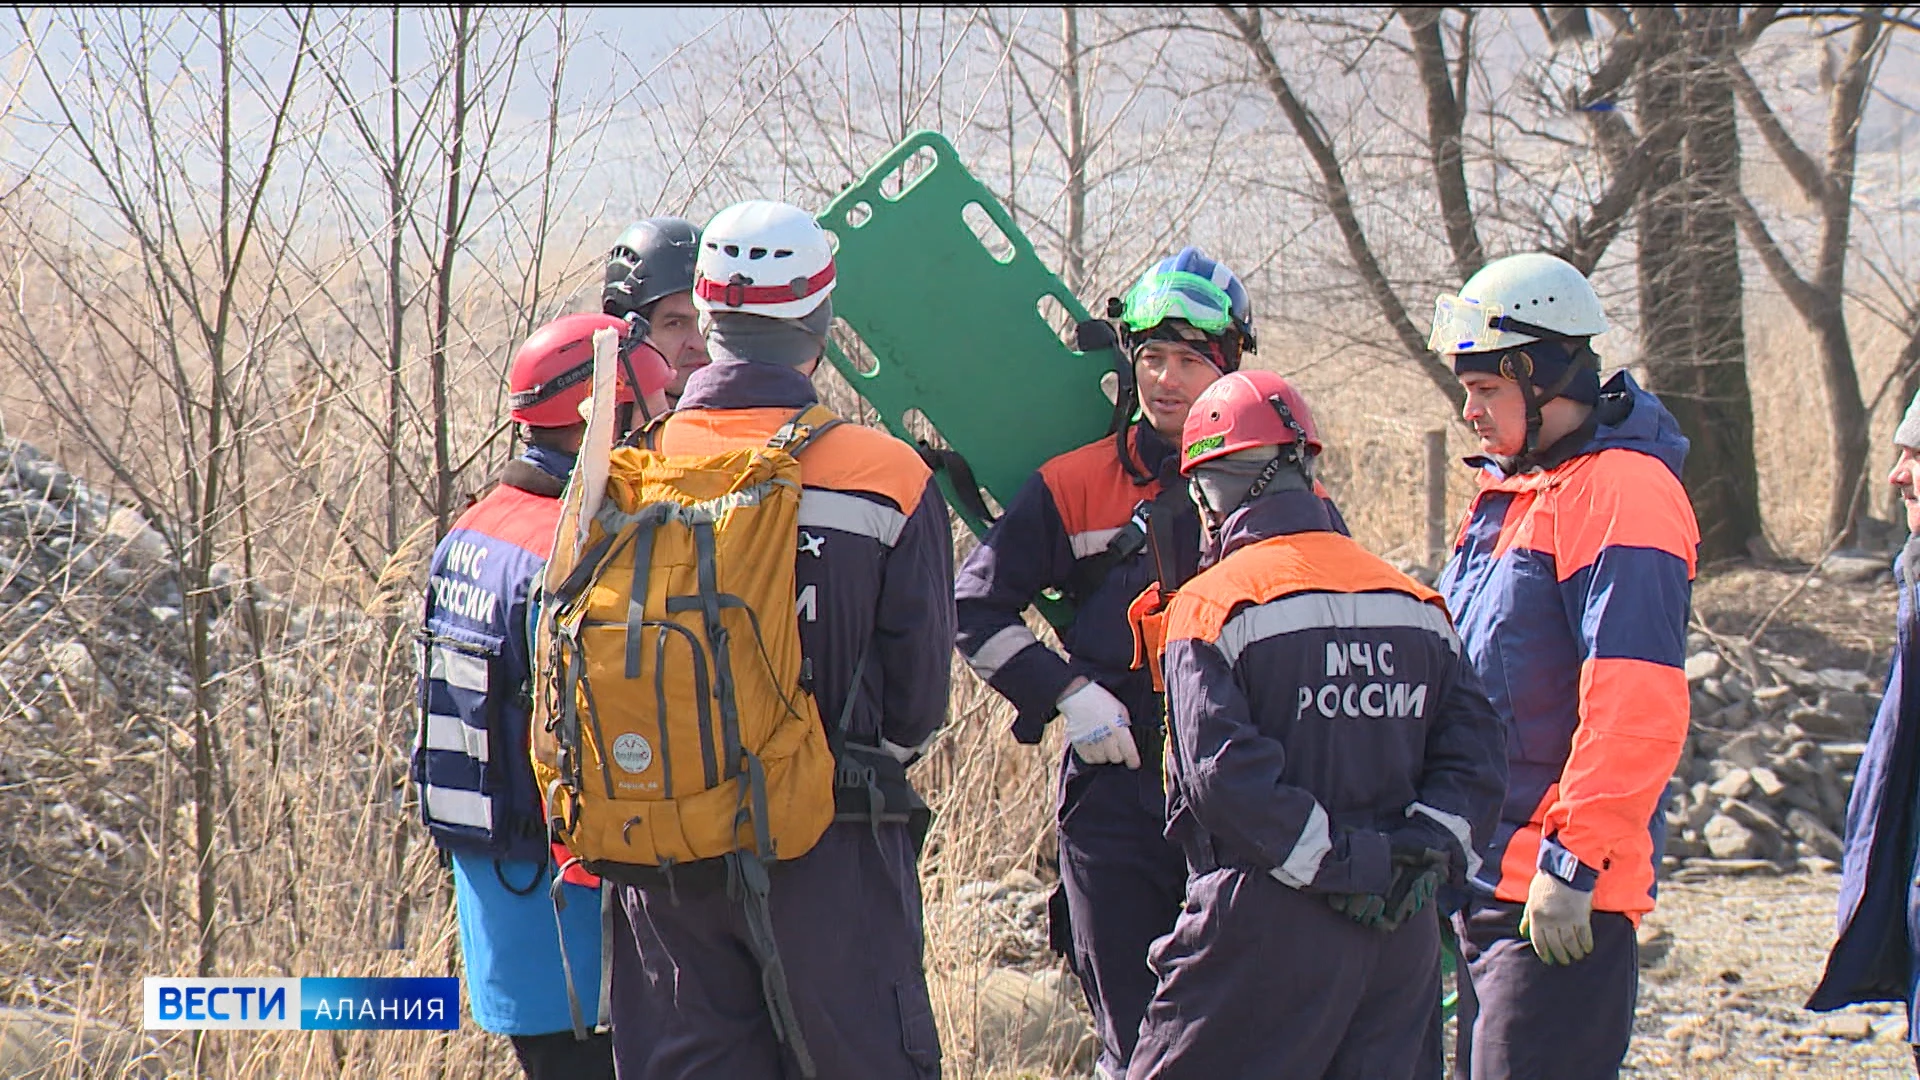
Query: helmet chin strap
[(636, 337), (1292, 455), (1517, 366)]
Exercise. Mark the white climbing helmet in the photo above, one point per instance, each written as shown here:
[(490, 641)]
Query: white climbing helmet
[(763, 258), (1514, 301)]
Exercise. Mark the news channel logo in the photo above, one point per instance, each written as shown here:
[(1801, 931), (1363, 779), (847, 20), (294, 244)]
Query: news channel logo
[(308, 1004)]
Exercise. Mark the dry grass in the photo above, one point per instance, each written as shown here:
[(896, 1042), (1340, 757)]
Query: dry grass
[(321, 862)]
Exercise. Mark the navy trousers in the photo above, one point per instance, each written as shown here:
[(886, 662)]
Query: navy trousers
[(1524, 1019), (1121, 881), (1260, 980), (687, 1000)]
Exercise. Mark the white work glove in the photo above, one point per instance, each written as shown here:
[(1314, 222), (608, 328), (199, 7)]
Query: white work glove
[(1558, 920), (1097, 726)]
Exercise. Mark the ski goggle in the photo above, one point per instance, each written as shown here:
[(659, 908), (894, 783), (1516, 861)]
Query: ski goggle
[(1177, 295), (1461, 325)]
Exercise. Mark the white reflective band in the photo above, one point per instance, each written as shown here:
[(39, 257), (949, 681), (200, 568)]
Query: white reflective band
[(1454, 824), (449, 733), (999, 649), (902, 754), (1303, 863), (850, 513), (455, 807), (457, 669), (1091, 543), (1313, 611)]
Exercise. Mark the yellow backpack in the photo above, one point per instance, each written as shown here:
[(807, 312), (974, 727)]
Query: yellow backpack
[(671, 725)]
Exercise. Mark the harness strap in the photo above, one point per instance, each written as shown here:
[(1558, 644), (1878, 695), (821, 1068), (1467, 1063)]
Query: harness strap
[(747, 880), (556, 892), (960, 480), (1171, 562), (811, 421), (1091, 572), (603, 1022)]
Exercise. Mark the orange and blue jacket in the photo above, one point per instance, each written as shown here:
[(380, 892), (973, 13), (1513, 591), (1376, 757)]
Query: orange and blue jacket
[(1570, 585), (1058, 525), (1317, 701), (1054, 535)]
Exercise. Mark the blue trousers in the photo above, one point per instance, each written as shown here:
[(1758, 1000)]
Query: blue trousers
[(687, 998), (1121, 881), (1524, 1019)]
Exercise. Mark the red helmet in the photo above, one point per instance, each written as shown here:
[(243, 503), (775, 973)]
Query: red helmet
[(1243, 410), (553, 372)]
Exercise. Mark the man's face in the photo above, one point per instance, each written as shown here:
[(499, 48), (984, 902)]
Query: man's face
[(1171, 375), (676, 333), (1906, 479), (1496, 411)]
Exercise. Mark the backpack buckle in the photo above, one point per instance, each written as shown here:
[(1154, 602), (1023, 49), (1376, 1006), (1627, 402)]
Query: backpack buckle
[(790, 433)]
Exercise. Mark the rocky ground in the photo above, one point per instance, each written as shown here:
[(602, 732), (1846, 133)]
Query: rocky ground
[(1728, 961)]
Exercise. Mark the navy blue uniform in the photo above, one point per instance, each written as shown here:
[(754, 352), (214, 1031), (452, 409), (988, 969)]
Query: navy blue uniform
[(874, 573)]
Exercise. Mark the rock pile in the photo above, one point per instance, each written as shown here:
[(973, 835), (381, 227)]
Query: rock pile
[(1029, 1015), (90, 640), (1763, 782), (96, 696), (1011, 916)]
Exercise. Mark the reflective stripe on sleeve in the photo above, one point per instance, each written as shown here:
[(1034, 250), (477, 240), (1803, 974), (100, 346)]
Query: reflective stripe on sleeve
[(902, 754), (1092, 542), (987, 661), (1456, 825), (1302, 864)]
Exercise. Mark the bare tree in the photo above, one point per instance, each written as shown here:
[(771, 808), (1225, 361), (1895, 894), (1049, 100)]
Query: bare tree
[(1819, 295), (1445, 88), (1690, 281), (189, 262), (1444, 85)]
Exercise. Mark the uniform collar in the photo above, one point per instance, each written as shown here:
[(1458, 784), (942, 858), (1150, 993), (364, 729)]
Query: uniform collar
[(555, 463), (1272, 514), (735, 384), (1155, 455)]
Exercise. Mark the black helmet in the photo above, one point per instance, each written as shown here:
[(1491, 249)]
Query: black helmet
[(652, 259)]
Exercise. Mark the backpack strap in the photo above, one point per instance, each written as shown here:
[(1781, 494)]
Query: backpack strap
[(646, 435), (809, 423)]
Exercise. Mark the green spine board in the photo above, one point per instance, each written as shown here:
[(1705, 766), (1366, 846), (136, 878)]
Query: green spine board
[(954, 332), (958, 334)]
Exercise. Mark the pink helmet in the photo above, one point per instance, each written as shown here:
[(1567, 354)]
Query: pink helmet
[(1243, 410), (553, 372)]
